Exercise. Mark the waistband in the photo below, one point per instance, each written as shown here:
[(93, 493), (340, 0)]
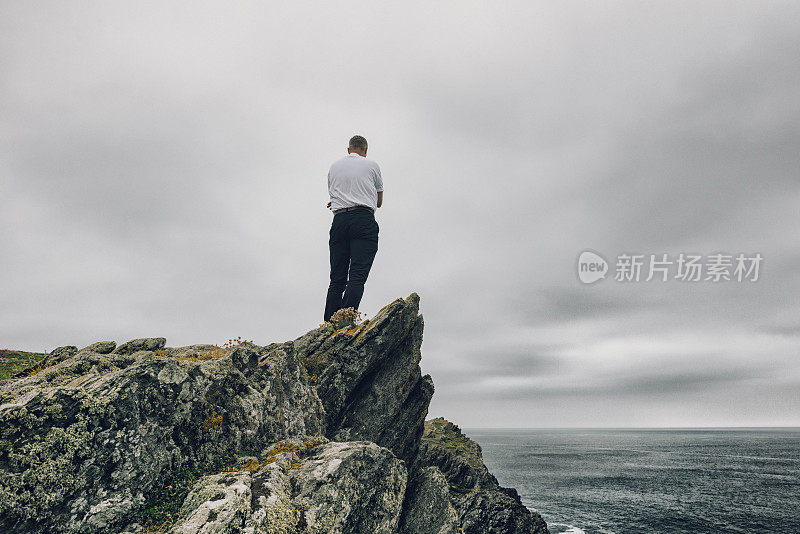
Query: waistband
[(342, 210)]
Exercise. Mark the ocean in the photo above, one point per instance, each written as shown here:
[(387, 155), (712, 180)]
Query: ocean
[(620, 481)]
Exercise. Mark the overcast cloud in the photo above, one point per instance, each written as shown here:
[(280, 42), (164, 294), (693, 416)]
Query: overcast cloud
[(163, 173)]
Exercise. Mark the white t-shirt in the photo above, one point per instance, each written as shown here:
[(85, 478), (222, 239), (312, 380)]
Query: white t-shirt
[(354, 181)]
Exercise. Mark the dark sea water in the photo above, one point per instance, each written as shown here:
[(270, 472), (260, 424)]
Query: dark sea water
[(649, 481)]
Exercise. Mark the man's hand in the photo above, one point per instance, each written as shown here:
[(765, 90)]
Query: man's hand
[(329, 205)]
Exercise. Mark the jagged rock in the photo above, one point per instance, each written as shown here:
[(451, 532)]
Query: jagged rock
[(84, 441), (145, 343), (483, 506), (217, 503), (331, 488), (60, 354), (57, 355), (101, 347), (369, 380), (428, 506), (350, 487), (320, 434)]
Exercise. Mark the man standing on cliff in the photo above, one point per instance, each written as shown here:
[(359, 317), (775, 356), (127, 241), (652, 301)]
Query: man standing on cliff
[(355, 187)]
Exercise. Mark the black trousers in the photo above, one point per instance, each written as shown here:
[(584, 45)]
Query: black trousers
[(353, 244)]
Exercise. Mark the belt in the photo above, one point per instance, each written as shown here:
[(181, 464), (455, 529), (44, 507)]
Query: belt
[(352, 208)]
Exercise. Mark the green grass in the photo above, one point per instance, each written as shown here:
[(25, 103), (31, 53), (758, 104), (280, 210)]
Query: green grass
[(14, 361)]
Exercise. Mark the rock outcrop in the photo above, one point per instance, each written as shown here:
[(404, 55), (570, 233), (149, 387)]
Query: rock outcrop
[(369, 380), (428, 504), (325, 433), (353, 486), (482, 505)]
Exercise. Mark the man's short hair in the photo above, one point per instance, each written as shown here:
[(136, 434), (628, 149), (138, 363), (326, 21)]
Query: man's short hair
[(358, 143)]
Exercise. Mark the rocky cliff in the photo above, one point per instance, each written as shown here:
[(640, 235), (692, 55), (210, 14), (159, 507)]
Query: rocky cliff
[(325, 433)]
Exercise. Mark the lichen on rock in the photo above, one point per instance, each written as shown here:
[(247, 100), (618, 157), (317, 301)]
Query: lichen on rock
[(323, 433), (482, 505)]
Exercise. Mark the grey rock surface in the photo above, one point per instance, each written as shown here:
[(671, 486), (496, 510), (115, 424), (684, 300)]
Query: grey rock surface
[(86, 440), (59, 354), (428, 506), (145, 343), (217, 504), (101, 347), (349, 487), (335, 488), (483, 506), (325, 433), (369, 380)]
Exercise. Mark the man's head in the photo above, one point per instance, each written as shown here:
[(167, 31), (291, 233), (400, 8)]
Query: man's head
[(358, 145)]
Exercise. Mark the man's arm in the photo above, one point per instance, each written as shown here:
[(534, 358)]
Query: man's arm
[(378, 180)]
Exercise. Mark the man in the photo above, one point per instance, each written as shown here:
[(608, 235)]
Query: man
[(355, 187)]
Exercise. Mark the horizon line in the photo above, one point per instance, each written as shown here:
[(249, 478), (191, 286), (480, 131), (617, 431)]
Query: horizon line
[(630, 427)]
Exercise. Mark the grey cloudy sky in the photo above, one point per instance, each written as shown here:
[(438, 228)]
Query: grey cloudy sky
[(163, 173)]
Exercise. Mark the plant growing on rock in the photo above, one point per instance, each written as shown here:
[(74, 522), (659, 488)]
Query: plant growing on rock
[(344, 318), (163, 507), (235, 342)]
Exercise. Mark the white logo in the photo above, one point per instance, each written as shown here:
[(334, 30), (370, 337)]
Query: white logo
[(719, 267), (591, 267)]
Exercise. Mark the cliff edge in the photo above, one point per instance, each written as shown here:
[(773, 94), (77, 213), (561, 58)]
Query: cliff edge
[(322, 434)]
